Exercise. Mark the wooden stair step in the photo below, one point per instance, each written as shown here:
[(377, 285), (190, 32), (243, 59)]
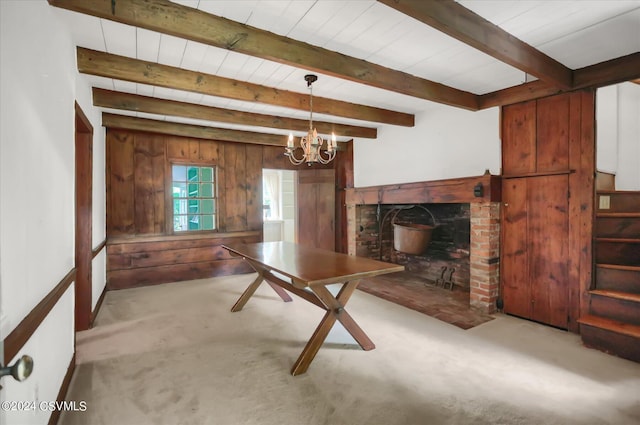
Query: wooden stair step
[(626, 296), (619, 267), (617, 277), (611, 325), (623, 251), (618, 215), (619, 192), (619, 240)]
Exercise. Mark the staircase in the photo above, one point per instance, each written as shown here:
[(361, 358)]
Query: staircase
[(613, 322)]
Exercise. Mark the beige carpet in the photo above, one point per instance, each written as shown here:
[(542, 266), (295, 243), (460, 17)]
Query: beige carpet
[(175, 354)]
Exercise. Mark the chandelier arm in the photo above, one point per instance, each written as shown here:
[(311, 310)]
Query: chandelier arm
[(329, 157), (293, 159)]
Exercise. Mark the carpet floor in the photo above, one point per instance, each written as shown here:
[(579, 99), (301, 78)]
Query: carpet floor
[(175, 354)]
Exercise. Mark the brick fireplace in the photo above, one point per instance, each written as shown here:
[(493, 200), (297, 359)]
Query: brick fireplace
[(466, 238)]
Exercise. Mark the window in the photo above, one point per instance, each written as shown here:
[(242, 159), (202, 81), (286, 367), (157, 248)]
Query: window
[(194, 198)]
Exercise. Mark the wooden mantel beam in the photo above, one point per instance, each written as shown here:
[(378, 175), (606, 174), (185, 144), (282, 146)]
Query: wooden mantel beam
[(192, 24), (464, 25), (138, 71), (133, 102), (189, 130)]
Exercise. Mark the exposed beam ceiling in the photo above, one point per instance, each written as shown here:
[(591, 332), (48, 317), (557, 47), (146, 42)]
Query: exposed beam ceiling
[(192, 24), (190, 130), (138, 103), (464, 25), (248, 71), (138, 71)]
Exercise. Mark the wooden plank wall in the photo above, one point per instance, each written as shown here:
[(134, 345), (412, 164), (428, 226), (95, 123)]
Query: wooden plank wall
[(141, 246), (548, 163)]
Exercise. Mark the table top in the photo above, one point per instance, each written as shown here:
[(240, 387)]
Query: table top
[(308, 266)]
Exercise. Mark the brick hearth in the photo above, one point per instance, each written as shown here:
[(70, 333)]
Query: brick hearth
[(479, 270)]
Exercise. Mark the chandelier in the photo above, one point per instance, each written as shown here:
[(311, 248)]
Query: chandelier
[(311, 144)]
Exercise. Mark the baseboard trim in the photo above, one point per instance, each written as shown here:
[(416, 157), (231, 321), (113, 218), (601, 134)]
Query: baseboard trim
[(14, 342), (64, 388)]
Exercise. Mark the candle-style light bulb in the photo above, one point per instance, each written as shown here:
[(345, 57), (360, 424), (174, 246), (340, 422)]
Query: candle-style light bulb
[(290, 141)]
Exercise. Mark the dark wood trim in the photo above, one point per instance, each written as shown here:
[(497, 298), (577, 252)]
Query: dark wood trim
[(14, 342), (64, 389), (166, 238), (625, 68), (97, 249), (83, 118), (108, 65), (460, 190), (542, 174), (189, 130), (96, 310), (343, 166), (83, 135), (153, 105)]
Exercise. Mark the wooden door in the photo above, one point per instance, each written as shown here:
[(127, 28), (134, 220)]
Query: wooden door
[(547, 188), (316, 208), (535, 249)]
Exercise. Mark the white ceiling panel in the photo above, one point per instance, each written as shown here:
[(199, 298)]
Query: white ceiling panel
[(120, 39), (239, 11), (171, 50), (589, 46), (147, 45)]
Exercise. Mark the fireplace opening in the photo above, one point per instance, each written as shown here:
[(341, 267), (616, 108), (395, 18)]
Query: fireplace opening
[(445, 260)]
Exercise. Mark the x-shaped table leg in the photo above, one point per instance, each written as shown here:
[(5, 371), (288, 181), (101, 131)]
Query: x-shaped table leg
[(335, 311), (251, 289)]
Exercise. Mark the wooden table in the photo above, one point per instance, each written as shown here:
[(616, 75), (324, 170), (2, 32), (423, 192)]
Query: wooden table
[(306, 272)]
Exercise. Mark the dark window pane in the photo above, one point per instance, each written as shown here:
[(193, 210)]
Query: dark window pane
[(194, 222), (193, 190), (194, 206), (192, 174)]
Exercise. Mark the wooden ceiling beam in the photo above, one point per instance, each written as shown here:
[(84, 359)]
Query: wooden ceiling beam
[(192, 24), (190, 130), (123, 68), (625, 68), (466, 26), (133, 102)]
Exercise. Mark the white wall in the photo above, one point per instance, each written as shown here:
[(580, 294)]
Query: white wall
[(446, 142), (618, 133), (628, 175), (39, 84)]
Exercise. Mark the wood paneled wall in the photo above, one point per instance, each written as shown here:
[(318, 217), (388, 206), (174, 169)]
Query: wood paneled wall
[(142, 248), (548, 161)]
